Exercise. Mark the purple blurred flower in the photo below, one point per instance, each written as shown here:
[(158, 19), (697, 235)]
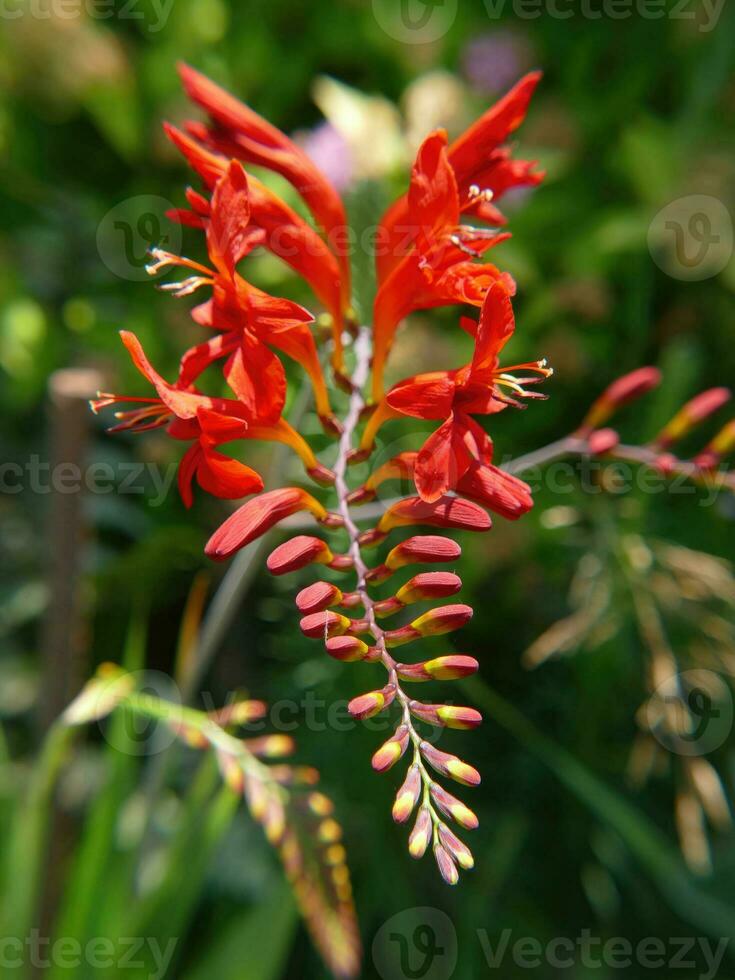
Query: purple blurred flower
[(329, 150), (493, 62)]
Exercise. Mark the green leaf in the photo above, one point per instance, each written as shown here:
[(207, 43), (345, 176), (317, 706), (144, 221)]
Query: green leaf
[(239, 952), (643, 839)]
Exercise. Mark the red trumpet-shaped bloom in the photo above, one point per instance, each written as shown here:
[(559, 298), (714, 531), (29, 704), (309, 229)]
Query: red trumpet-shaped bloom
[(249, 321), (482, 387), (438, 271), (285, 234), (189, 416), (483, 171), (240, 132)]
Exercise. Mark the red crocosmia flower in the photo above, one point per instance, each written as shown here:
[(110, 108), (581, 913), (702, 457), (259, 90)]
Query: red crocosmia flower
[(215, 473), (483, 169), (248, 318), (479, 388), (207, 422), (285, 234), (240, 132), (437, 271)]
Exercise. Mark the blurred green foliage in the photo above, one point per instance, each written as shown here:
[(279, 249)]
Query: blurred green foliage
[(632, 114)]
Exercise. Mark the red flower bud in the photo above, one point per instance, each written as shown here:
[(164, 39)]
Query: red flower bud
[(694, 412), (453, 808), (502, 492), (420, 836), (418, 550), (271, 746), (367, 705), (446, 715), (429, 585), (459, 850), (259, 515), (722, 445), (447, 867), (447, 668), (298, 553), (619, 393), (602, 441), (450, 765), (452, 512), (407, 796), (324, 624), (391, 751), (317, 597), (347, 648), (435, 622)]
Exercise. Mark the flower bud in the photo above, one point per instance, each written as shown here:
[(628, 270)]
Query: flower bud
[(297, 553), (418, 550), (457, 848), (324, 624), (453, 808), (447, 867), (317, 597), (722, 445), (231, 771), (502, 492), (620, 392), (452, 512), (694, 412), (423, 549), (445, 715), (367, 705), (319, 804), (420, 836), (239, 713), (450, 765), (271, 746), (391, 751), (329, 832), (259, 515), (347, 648), (429, 585), (407, 796), (602, 441), (447, 668), (435, 622), (321, 474)]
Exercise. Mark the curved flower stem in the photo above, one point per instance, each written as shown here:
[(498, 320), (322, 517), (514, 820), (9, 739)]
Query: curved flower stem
[(363, 350)]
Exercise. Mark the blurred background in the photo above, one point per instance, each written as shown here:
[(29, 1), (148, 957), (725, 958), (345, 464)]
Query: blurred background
[(623, 257)]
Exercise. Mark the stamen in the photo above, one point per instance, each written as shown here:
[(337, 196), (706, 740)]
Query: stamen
[(167, 260), (186, 287), (475, 193)]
